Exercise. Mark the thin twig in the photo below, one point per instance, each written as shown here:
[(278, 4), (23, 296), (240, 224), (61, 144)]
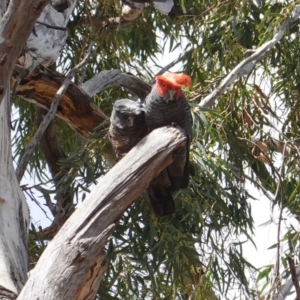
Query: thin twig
[(166, 68), (30, 195), (269, 121), (47, 199), (264, 190), (294, 276), (49, 116), (248, 64), (52, 26), (281, 206)]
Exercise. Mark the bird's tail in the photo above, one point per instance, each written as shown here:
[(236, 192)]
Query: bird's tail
[(159, 192), (180, 170)]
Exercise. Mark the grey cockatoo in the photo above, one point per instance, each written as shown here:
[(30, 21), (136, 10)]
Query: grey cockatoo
[(127, 125), (127, 128), (167, 105)]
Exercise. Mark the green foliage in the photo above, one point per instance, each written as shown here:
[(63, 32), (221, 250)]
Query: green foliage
[(197, 252)]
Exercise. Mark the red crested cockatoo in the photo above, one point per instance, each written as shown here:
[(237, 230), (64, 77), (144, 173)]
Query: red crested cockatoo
[(127, 128), (167, 105)]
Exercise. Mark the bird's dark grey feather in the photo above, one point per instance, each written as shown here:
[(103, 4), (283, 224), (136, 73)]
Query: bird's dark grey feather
[(127, 125), (162, 112)]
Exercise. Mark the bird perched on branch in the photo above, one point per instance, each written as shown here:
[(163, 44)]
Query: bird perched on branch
[(127, 125), (127, 128), (167, 105)]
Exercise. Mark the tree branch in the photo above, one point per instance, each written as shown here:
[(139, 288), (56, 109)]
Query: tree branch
[(247, 65), (64, 196), (286, 288), (76, 108), (48, 118), (115, 78), (78, 248), (294, 276), (48, 37), (15, 30)]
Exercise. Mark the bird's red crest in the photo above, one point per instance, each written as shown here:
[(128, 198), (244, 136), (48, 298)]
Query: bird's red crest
[(181, 79), (172, 81)]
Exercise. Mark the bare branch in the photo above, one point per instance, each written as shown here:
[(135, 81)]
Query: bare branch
[(15, 29), (247, 65), (14, 34), (112, 78), (64, 197), (76, 108), (50, 115), (78, 248), (52, 26), (294, 276)]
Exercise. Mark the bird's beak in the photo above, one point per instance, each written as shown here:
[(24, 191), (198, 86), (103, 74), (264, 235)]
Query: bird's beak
[(171, 94), (130, 121)]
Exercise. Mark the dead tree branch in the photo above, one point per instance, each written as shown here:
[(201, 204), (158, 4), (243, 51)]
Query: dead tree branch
[(115, 78), (76, 108), (13, 35), (294, 276), (78, 248), (48, 118)]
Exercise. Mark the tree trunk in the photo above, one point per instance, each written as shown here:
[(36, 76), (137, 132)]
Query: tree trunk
[(14, 217), (73, 264)]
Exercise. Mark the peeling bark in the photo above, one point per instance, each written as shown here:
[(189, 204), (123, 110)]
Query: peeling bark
[(15, 30), (78, 248), (76, 108), (44, 45), (14, 216)]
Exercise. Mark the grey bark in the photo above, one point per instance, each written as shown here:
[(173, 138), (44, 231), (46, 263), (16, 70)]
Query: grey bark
[(73, 264)]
